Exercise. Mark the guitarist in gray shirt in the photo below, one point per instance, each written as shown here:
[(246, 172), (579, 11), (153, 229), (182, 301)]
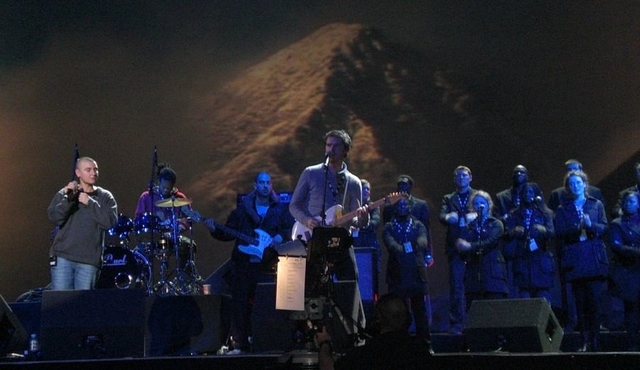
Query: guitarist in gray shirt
[(342, 188), (258, 222), (323, 187)]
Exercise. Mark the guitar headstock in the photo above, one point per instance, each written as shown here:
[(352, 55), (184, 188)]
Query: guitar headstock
[(393, 198), (193, 214)]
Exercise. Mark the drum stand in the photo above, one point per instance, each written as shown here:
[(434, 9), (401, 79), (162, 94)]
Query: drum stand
[(189, 270), (164, 286), (187, 280)]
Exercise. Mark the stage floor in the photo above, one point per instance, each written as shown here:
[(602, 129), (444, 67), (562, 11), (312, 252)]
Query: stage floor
[(301, 360), (450, 353)]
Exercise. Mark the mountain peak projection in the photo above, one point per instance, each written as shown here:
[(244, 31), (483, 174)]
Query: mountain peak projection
[(273, 116)]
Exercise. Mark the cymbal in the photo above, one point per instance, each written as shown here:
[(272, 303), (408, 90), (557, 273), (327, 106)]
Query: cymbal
[(177, 202)]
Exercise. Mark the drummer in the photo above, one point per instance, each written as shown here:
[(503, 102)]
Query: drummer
[(155, 210), (165, 190)]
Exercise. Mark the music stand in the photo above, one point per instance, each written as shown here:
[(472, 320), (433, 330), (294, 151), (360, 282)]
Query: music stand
[(328, 247), (329, 243)]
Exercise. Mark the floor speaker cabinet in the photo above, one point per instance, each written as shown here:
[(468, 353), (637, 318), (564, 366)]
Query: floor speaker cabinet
[(271, 329), (90, 324), (29, 315), (13, 336), (183, 325), (512, 325), (367, 261), (221, 279)]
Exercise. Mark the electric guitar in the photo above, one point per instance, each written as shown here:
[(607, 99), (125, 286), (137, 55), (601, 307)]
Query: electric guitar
[(335, 217), (255, 245)]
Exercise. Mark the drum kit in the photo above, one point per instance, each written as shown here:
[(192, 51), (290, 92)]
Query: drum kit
[(127, 267)]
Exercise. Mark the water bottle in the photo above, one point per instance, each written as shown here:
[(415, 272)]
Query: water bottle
[(34, 347)]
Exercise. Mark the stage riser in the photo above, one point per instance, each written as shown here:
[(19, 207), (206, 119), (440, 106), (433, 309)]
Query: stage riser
[(122, 323)]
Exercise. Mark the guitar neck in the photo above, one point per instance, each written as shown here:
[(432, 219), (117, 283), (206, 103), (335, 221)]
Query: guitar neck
[(236, 234), (345, 218), (227, 230)]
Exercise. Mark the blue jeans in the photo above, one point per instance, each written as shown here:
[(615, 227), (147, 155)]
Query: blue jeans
[(69, 275)]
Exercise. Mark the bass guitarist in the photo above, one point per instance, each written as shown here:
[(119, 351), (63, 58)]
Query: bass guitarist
[(258, 210)]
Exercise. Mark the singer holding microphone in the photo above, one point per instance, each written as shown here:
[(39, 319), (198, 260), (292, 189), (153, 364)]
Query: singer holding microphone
[(529, 230), (82, 212), (486, 273)]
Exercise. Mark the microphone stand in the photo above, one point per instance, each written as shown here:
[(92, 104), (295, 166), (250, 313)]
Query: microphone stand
[(323, 213), (154, 165), (479, 253)]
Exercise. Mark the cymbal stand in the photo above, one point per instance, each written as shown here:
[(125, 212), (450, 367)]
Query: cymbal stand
[(190, 265), (187, 281), (166, 286)]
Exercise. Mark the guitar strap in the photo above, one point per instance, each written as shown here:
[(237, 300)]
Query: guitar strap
[(346, 186)]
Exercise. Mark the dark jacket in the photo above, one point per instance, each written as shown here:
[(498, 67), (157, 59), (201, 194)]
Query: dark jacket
[(624, 239), (245, 219), (531, 268), (406, 272), (486, 270), (582, 258), (451, 203)]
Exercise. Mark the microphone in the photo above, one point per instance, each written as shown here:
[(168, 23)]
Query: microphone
[(481, 207), (537, 199), (327, 158), (70, 194)]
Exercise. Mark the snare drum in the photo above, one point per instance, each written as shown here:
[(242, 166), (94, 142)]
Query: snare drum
[(166, 245), (146, 228), (123, 269), (118, 235)]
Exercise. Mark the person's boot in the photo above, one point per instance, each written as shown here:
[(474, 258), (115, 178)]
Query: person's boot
[(585, 343), (631, 321), (594, 342), (584, 335)]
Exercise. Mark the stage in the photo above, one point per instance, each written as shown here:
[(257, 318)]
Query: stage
[(301, 360), (115, 329)]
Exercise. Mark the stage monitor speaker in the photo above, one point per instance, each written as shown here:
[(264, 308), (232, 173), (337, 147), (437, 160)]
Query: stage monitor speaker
[(90, 324), (221, 279), (272, 330), (13, 336), (183, 325), (512, 325), (367, 261), (29, 315)]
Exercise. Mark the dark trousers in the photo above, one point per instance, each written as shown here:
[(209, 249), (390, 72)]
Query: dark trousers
[(419, 312), (589, 294), (632, 322), (457, 307), (246, 277)]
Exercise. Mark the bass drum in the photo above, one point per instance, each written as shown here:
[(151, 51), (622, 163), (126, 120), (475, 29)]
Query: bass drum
[(124, 269)]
